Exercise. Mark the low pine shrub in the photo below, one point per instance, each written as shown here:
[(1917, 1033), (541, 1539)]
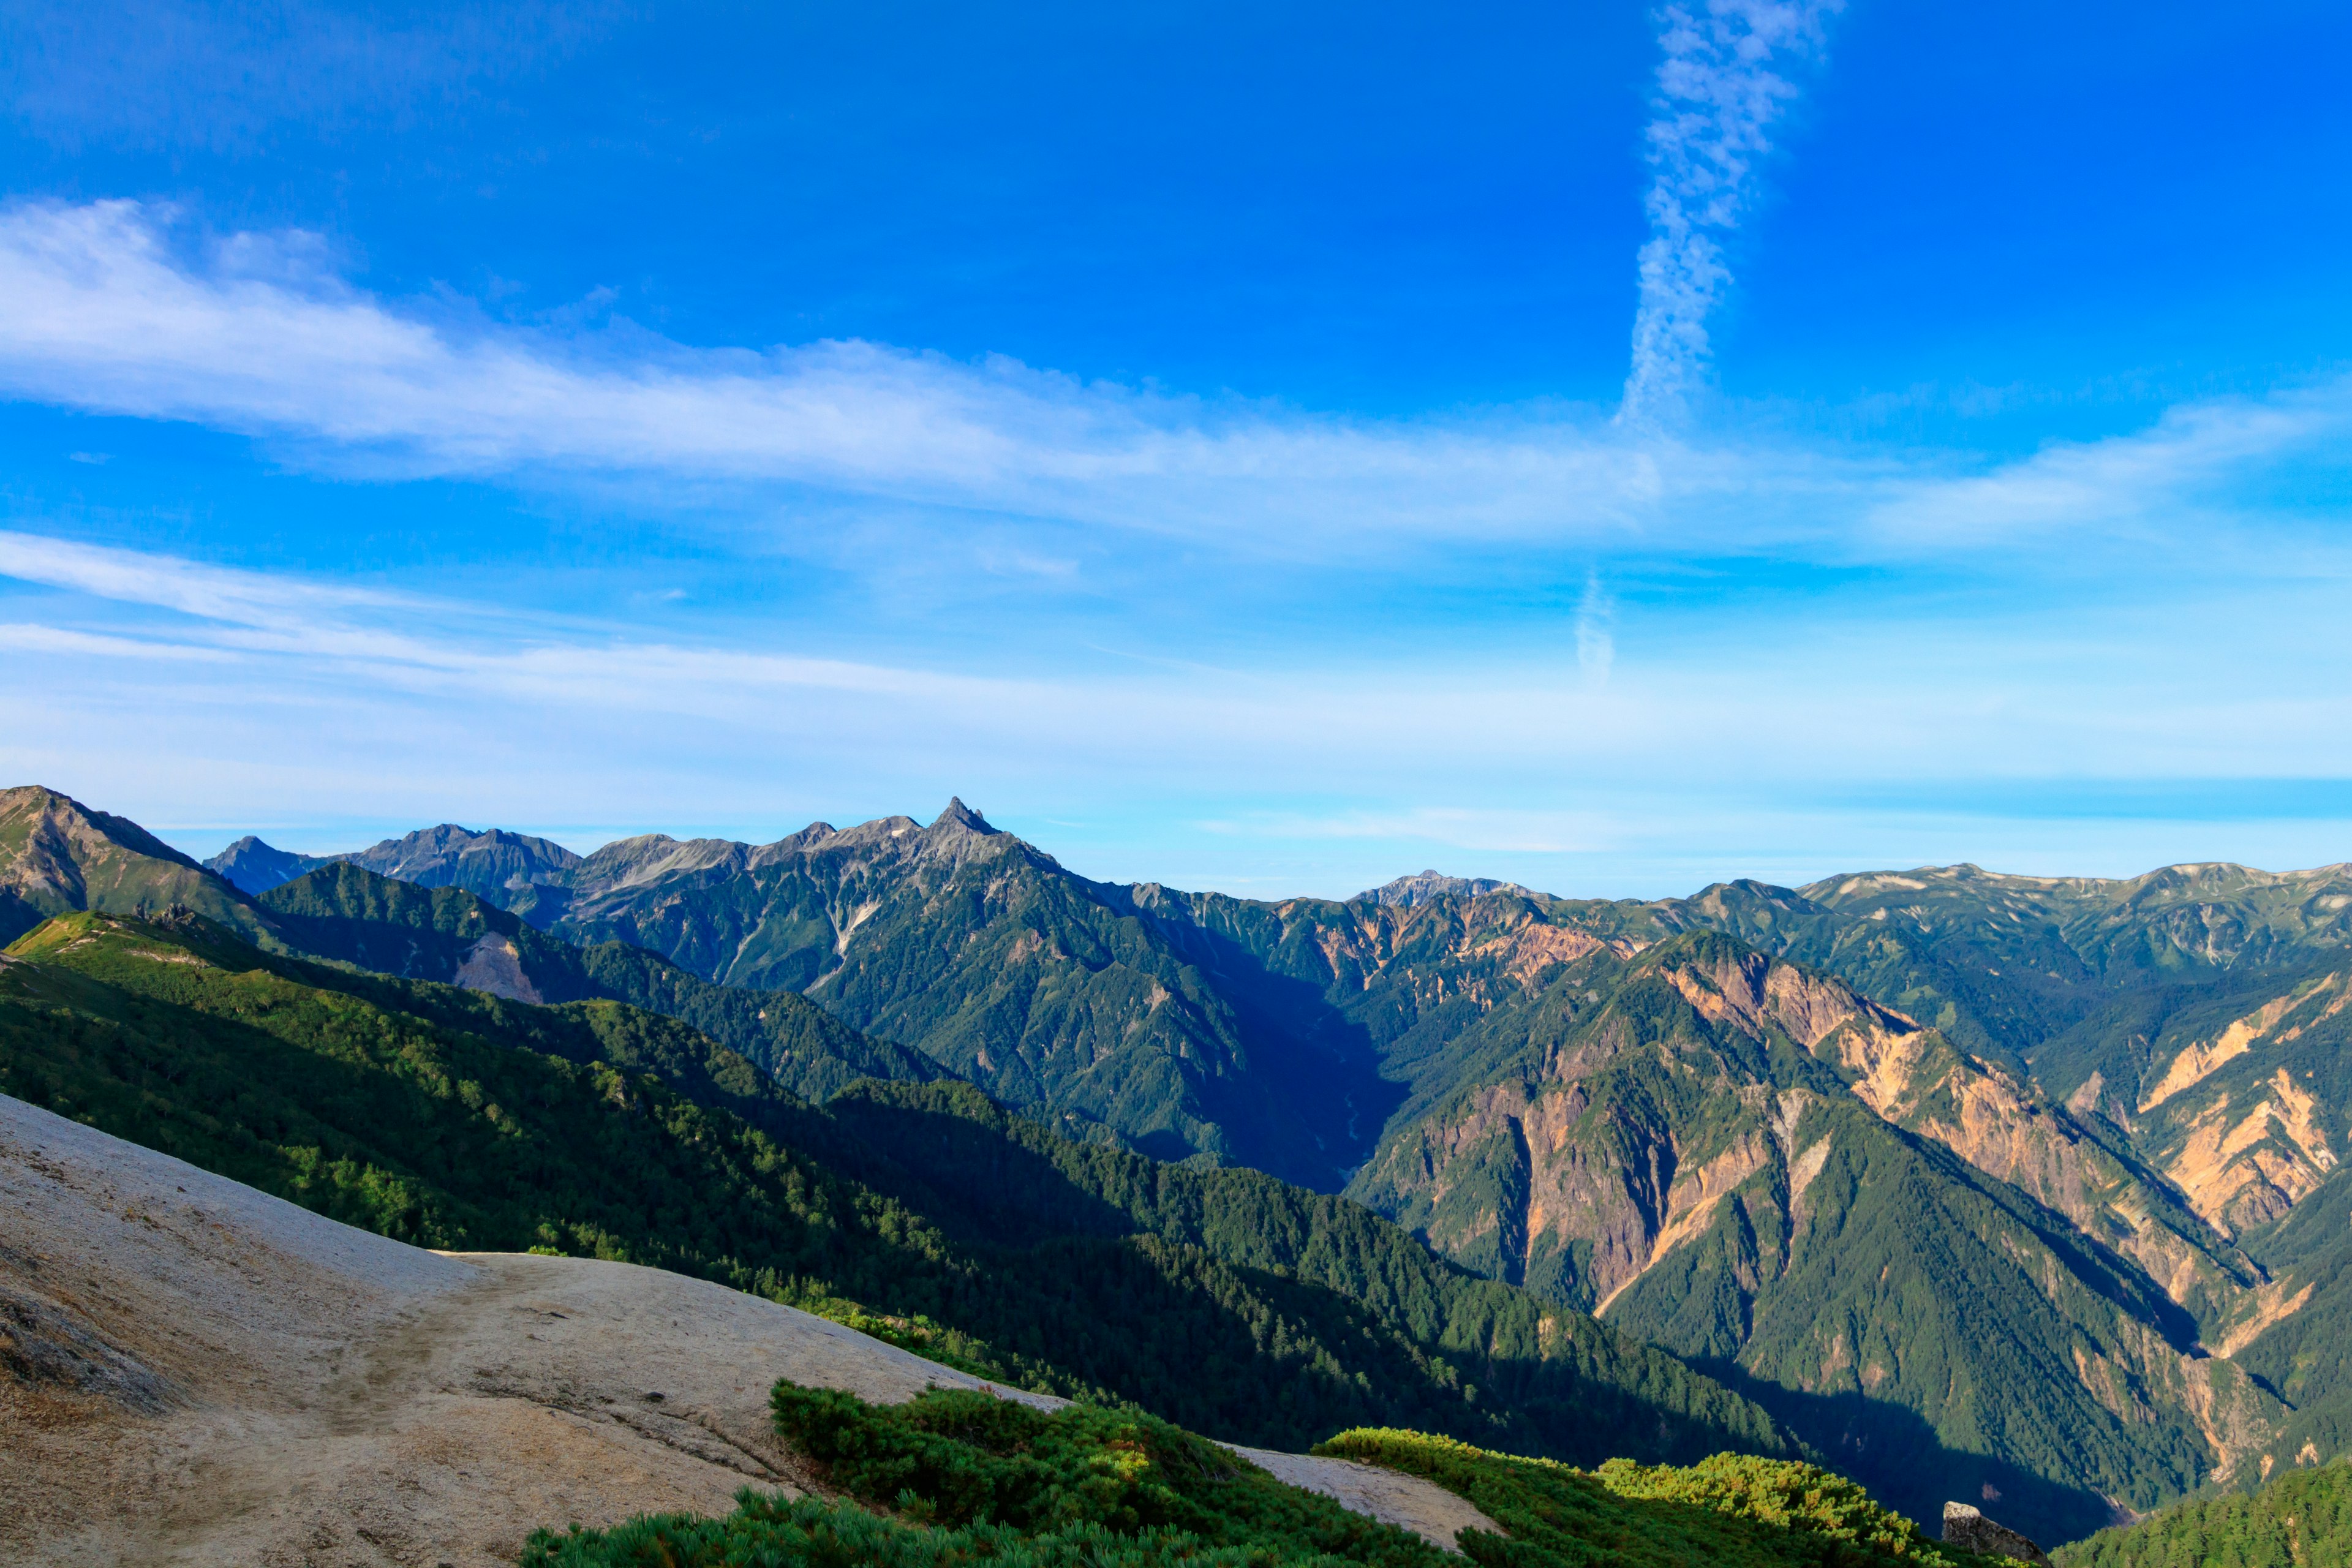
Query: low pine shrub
[(1733, 1510), (959, 1476)]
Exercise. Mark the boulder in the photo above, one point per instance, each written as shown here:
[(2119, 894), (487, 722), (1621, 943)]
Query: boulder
[(1967, 1529)]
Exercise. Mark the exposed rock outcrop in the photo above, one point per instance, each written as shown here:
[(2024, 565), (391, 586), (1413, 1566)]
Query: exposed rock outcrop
[(1967, 1528), (1414, 892)]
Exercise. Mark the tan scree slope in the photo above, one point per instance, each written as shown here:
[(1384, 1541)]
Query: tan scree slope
[(193, 1372)]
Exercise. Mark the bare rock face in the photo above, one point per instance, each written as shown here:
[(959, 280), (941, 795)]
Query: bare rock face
[(1411, 892), (1967, 1529)]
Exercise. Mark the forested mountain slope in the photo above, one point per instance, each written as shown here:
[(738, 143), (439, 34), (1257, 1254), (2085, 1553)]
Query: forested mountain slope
[(1057, 995), (350, 915), (2302, 1520), (455, 1118), (983, 1173)]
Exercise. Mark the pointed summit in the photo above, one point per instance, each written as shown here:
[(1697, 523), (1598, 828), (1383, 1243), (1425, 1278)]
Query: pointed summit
[(254, 867), (959, 814)]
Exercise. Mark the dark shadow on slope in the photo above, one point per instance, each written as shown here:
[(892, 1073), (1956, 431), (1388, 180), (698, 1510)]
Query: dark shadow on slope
[(1893, 1450), (1531, 1378), (1321, 1064)]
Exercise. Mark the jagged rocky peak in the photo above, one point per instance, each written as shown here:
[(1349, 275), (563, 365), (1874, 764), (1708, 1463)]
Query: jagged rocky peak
[(959, 814), (254, 866), (1416, 890), (438, 845)]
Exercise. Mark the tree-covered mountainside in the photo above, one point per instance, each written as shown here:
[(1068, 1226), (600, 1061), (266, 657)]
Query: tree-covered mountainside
[(455, 1118), (2302, 1520), (985, 1175), (2293, 1332), (350, 915), (1052, 993)]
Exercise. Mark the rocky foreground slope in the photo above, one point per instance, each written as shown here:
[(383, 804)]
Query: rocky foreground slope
[(193, 1372)]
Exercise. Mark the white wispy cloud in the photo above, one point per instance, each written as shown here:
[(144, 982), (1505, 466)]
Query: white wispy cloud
[(417, 643), (173, 582), (103, 308), (255, 334), (2171, 481), (1719, 88)]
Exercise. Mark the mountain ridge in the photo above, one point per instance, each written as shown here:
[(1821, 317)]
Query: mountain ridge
[(2113, 1095)]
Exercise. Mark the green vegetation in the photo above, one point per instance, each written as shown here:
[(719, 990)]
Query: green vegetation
[(1730, 1510), (959, 1476), (967, 1477), (1549, 1379), (957, 1457), (773, 1533), (457, 1119), (2302, 1520)]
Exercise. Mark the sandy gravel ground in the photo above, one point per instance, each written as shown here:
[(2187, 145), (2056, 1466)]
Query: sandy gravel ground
[(193, 1373)]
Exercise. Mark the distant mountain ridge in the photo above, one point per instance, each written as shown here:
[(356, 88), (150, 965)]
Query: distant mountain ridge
[(59, 857), (1422, 887), (508, 865), (254, 868), (2087, 1134)]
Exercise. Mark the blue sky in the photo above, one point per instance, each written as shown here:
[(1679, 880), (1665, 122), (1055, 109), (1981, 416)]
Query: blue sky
[(1270, 448)]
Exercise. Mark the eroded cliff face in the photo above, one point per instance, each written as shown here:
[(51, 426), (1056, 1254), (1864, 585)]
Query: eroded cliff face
[(1608, 1197), (1739, 1158), (2246, 1114), (2002, 1125)]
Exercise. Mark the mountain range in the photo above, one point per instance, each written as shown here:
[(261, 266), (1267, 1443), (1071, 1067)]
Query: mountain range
[(2018, 1189)]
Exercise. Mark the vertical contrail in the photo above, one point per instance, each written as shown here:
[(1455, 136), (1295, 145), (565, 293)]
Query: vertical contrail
[(1718, 89), (1596, 649)]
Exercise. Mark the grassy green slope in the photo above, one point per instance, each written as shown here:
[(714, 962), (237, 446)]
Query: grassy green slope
[(2302, 1520), (1732, 1510), (454, 1119)]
